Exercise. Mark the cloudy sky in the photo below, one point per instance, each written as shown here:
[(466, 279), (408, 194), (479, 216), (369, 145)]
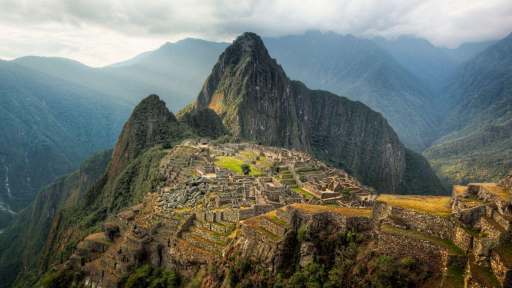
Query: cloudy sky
[(101, 32)]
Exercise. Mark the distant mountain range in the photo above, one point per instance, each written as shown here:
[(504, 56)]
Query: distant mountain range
[(49, 126), (478, 111), (59, 112), (396, 78)]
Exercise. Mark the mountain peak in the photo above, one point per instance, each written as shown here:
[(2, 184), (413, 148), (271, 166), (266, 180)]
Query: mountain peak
[(142, 131), (256, 101)]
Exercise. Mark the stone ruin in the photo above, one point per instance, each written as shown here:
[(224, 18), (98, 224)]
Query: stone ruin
[(196, 219)]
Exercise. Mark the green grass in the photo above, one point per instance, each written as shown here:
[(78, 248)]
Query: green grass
[(269, 234), (454, 278), (250, 153), (333, 204), (234, 165), (454, 249), (483, 275), (302, 191), (475, 199), (272, 217)]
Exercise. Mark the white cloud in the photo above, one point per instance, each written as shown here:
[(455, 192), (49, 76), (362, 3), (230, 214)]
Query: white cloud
[(101, 32)]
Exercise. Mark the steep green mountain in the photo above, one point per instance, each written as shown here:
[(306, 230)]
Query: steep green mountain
[(482, 156), (49, 126), (21, 243), (131, 172), (175, 71), (479, 93), (361, 70), (258, 102), (475, 134), (429, 63), (205, 123), (468, 50)]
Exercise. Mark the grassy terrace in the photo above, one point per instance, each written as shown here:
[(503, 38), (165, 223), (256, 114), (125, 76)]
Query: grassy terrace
[(483, 275), (302, 191), (475, 199), (262, 158), (452, 248), (272, 217), (502, 192), (505, 252), (98, 237), (494, 224), (340, 210), (460, 189), (253, 154), (434, 205), (454, 278), (234, 164), (254, 223), (333, 205)]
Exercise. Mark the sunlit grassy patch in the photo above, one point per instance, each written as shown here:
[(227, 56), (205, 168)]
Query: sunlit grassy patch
[(502, 192), (234, 165), (341, 210), (460, 189), (434, 205), (302, 191)]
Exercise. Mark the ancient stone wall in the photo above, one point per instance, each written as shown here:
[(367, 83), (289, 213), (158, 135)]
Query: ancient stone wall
[(499, 269), (423, 222), (400, 245), (272, 227), (359, 223), (463, 239)]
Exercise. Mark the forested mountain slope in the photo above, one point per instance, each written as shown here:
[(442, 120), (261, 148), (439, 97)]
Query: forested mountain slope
[(49, 126), (21, 244)]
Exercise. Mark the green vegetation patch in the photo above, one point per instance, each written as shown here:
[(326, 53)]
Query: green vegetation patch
[(483, 275), (234, 165), (454, 278), (333, 204), (302, 191)]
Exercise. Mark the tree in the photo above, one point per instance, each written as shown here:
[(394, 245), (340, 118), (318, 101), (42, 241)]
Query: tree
[(246, 169)]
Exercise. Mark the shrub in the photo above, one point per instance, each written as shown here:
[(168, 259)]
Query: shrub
[(246, 169), (63, 279), (408, 263), (301, 234), (345, 192)]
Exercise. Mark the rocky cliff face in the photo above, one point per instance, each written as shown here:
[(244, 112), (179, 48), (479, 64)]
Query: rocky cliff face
[(257, 101)]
